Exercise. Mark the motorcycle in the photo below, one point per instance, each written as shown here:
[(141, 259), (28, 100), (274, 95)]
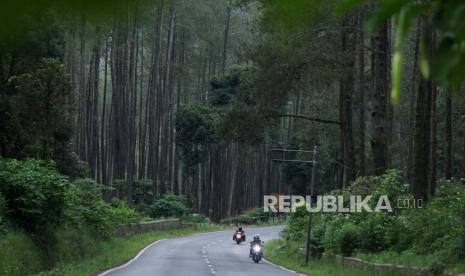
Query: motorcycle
[(257, 253), (239, 237)]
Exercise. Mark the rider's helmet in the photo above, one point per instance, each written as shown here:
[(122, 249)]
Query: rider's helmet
[(240, 228), (256, 237)]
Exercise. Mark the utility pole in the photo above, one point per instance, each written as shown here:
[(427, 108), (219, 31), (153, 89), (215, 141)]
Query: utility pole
[(314, 162), (312, 188)]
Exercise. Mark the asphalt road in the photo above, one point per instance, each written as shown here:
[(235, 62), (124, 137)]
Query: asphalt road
[(202, 254)]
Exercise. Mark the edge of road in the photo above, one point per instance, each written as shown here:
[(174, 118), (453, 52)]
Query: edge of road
[(132, 260), (103, 273), (284, 268)]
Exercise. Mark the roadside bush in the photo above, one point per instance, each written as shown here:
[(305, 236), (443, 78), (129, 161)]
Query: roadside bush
[(434, 233), (348, 239), (197, 218), (439, 227), (2, 215), (87, 208), (373, 230), (19, 255), (297, 225), (143, 192), (34, 192), (169, 205), (259, 213)]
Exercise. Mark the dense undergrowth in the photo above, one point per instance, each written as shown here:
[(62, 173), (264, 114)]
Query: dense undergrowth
[(47, 220), (432, 236)]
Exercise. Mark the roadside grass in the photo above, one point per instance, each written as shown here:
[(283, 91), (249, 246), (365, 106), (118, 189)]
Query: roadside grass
[(408, 258), (289, 258), (405, 258), (111, 253)]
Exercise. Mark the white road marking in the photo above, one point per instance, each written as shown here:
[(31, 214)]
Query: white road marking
[(282, 267), (135, 258)]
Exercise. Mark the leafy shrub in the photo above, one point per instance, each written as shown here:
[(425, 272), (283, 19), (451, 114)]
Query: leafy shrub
[(197, 218), (143, 192), (2, 215), (373, 231), (434, 232), (19, 255), (196, 126), (169, 205), (348, 239), (259, 213), (87, 208), (296, 229), (440, 226), (35, 193)]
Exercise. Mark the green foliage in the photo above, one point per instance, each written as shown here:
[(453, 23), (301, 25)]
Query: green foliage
[(442, 223), (87, 208), (434, 232), (39, 111), (168, 206), (296, 229), (249, 217), (19, 255), (258, 213), (447, 18), (195, 129), (35, 193), (2, 215), (348, 239), (44, 104), (224, 90), (197, 218), (143, 192)]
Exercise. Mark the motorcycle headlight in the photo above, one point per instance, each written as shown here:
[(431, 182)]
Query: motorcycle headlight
[(238, 235), (257, 248)]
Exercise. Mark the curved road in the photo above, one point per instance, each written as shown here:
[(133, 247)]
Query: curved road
[(202, 254)]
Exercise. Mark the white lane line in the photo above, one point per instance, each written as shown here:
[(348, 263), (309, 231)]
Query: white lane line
[(134, 259), (282, 267)]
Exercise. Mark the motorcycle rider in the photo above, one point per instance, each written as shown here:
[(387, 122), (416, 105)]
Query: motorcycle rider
[(256, 240), (239, 231)]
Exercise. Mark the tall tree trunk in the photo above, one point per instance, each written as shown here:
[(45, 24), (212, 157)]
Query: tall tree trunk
[(412, 107), (226, 37), (433, 122), (422, 145), (361, 94), (448, 135), (95, 117), (346, 90), (378, 116), (103, 144)]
